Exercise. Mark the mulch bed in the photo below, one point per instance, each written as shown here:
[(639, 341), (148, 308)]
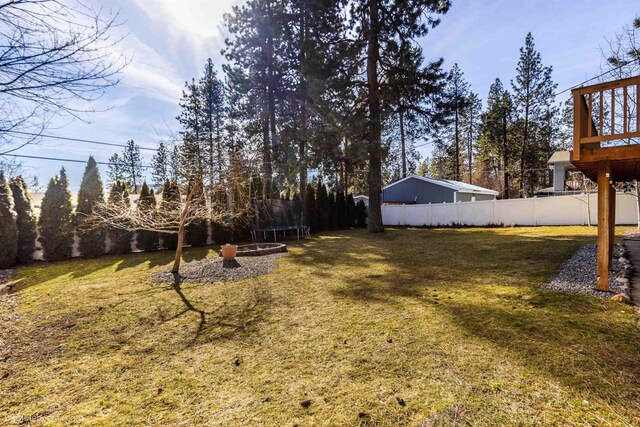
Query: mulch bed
[(580, 273), (215, 269)]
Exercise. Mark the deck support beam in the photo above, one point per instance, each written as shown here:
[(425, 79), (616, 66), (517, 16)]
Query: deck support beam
[(606, 223)]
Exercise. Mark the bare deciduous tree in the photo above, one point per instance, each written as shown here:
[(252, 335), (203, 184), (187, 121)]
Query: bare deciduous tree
[(195, 206), (54, 57)]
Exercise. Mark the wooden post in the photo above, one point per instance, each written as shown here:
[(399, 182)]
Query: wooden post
[(577, 124), (612, 221), (604, 225)]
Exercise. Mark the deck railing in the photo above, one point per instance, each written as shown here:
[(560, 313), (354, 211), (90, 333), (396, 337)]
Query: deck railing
[(606, 112)]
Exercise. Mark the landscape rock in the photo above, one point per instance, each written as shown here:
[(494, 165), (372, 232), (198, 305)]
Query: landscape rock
[(623, 298), (580, 273), (215, 269)]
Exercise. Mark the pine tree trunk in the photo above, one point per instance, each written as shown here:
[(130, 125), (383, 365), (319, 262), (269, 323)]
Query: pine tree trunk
[(404, 152), (637, 201), (523, 152), (505, 159), (302, 149), (457, 144), (374, 175), (470, 147), (266, 149)]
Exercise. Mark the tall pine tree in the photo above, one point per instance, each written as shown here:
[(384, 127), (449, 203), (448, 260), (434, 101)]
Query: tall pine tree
[(379, 22), (533, 96), (132, 166), (496, 148), (161, 165)]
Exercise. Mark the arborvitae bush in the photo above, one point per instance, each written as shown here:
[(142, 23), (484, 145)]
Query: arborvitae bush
[(8, 226), (120, 239), (361, 214), (91, 194), (26, 220), (312, 220), (333, 212), (56, 219), (221, 232), (341, 208), (351, 211), (170, 206), (297, 209), (147, 240), (197, 230), (323, 208)]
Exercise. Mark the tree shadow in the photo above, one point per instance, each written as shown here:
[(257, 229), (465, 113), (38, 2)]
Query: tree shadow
[(488, 272), (224, 321), (195, 254)]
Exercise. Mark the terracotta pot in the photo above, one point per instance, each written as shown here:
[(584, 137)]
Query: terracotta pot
[(229, 252)]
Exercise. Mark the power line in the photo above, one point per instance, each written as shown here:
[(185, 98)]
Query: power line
[(598, 76), (24, 156), (64, 138)]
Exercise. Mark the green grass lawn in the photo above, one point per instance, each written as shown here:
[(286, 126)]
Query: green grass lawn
[(411, 327)]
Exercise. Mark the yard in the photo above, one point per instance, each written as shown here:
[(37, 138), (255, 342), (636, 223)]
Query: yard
[(410, 327)]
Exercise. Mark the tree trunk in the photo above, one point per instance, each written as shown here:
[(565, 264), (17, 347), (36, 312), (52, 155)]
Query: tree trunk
[(505, 158), (346, 167), (178, 256), (523, 152), (470, 147), (402, 141), (457, 143), (266, 150), (302, 149), (635, 182), (183, 223), (374, 175)]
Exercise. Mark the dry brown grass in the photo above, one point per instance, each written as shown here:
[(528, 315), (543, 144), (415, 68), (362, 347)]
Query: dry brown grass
[(411, 327)]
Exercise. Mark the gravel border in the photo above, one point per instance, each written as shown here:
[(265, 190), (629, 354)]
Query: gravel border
[(215, 269), (5, 277), (580, 273)]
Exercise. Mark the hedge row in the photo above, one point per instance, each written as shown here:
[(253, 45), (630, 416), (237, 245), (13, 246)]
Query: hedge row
[(58, 221)]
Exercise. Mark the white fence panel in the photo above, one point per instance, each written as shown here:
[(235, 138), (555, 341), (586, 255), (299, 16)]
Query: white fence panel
[(568, 212), (561, 210), (418, 214), (477, 213), (514, 212), (444, 214), (393, 215)]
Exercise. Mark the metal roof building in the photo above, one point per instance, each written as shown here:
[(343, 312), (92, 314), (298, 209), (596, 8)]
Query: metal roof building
[(420, 190)]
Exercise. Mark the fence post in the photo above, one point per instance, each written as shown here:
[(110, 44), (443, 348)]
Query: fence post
[(493, 219)]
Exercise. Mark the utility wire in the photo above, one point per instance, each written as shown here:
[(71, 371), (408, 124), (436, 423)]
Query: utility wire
[(24, 156), (88, 141), (598, 76)]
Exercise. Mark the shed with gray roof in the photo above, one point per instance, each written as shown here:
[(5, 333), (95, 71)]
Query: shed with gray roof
[(416, 189)]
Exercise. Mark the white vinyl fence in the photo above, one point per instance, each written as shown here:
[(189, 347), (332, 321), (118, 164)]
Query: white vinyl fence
[(559, 210)]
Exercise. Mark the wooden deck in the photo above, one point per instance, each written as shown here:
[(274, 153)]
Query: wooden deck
[(606, 148)]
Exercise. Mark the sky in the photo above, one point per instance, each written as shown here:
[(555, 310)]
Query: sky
[(168, 42)]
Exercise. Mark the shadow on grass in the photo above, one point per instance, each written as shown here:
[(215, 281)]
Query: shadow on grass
[(488, 272), (224, 321)]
